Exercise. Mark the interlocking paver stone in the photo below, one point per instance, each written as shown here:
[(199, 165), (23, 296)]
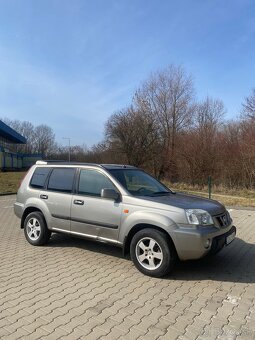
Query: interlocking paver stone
[(77, 289)]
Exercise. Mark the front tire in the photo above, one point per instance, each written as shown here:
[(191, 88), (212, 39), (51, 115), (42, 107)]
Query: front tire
[(35, 229), (152, 253)]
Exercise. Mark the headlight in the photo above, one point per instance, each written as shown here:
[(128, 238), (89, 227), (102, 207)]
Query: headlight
[(199, 217)]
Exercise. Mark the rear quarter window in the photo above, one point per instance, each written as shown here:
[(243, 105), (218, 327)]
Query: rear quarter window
[(39, 177)]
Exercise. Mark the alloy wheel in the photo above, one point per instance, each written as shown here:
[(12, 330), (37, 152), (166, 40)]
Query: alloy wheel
[(33, 229), (149, 253)]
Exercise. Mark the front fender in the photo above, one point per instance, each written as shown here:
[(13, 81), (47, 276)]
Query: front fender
[(146, 217)]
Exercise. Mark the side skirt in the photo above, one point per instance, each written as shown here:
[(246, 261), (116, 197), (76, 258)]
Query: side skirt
[(87, 236)]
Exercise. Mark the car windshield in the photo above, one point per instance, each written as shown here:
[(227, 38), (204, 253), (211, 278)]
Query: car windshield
[(139, 183)]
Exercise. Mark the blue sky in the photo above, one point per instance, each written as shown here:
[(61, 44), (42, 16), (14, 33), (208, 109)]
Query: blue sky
[(71, 64)]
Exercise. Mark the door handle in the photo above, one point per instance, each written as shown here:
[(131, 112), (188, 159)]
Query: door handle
[(44, 197), (78, 202)]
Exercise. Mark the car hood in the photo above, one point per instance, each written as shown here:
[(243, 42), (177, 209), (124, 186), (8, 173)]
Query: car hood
[(185, 201)]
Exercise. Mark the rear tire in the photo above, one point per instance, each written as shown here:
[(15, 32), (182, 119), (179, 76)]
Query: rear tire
[(35, 229), (152, 253)]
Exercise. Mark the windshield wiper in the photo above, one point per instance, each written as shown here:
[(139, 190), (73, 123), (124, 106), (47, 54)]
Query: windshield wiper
[(158, 193)]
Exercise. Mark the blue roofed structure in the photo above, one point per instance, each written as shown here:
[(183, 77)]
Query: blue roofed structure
[(10, 135), (10, 160)]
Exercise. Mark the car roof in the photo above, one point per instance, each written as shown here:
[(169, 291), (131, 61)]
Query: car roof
[(105, 166)]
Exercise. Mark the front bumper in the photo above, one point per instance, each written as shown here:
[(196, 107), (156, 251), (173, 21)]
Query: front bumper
[(219, 242), (195, 243)]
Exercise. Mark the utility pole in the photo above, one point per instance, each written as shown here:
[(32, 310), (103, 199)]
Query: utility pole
[(69, 152)]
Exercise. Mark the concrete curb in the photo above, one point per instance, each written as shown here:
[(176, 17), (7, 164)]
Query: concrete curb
[(8, 193)]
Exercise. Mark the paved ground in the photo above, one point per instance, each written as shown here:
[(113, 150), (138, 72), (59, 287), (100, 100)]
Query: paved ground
[(76, 289)]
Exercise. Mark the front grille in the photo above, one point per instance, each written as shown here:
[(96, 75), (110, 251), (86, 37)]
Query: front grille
[(223, 220)]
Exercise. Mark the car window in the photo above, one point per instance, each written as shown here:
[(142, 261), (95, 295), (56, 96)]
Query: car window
[(61, 180), (39, 177), (92, 182)]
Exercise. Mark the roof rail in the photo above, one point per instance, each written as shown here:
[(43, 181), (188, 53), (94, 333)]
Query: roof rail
[(104, 166), (122, 166), (54, 162)]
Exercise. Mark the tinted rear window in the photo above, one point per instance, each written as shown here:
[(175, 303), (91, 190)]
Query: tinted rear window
[(61, 180), (39, 177)]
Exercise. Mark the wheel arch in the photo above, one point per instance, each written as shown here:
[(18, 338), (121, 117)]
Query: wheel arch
[(138, 227), (26, 212)]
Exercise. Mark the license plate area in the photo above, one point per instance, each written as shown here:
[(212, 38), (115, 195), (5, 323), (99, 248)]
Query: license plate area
[(230, 238)]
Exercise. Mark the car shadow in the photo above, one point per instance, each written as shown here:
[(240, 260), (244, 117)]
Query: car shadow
[(234, 263), (62, 240)]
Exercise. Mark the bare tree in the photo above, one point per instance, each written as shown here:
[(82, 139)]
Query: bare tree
[(167, 97), (132, 133), (249, 106), (209, 115), (247, 152), (44, 140), (199, 146)]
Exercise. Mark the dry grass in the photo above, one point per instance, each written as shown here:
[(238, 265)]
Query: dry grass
[(229, 197), (9, 181)]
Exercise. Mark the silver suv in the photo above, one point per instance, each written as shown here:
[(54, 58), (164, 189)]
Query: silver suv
[(124, 206)]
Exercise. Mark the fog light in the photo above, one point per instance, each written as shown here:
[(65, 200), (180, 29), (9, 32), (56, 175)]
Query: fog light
[(207, 243)]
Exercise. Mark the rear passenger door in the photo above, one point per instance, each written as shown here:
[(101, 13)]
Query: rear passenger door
[(58, 197), (92, 215)]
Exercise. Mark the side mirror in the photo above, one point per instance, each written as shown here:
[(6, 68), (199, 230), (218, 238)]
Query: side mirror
[(110, 194)]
